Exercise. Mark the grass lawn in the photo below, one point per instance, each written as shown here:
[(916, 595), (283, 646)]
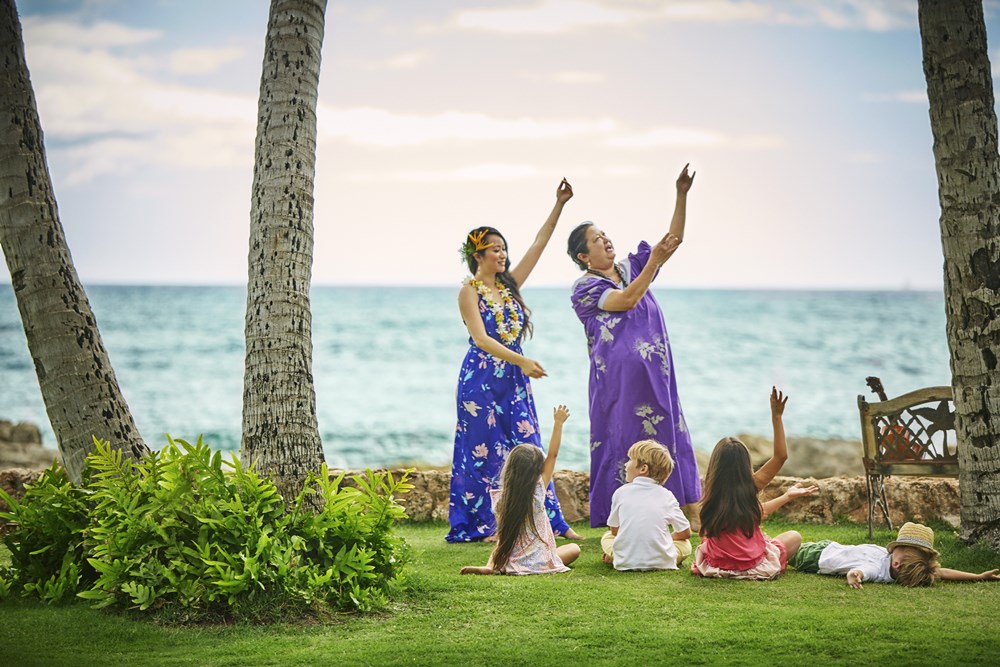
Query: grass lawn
[(592, 615)]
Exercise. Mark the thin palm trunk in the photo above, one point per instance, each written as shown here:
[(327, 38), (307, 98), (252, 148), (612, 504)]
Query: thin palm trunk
[(77, 383), (280, 432), (964, 125)]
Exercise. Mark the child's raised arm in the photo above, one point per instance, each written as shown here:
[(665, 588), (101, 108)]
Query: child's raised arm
[(559, 416), (766, 473), (793, 491)]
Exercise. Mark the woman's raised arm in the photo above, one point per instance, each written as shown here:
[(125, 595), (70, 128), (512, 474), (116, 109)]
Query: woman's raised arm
[(527, 264), (635, 290), (684, 183)]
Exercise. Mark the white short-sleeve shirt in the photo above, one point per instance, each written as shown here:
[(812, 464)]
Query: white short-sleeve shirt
[(644, 513)]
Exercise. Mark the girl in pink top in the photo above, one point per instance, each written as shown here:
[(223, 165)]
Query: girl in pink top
[(525, 542), (732, 543)]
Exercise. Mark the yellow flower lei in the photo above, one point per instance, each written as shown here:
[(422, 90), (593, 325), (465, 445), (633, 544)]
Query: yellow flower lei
[(508, 328)]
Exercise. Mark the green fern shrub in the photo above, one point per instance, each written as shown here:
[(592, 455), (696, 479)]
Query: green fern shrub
[(46, 549), (192, 536)]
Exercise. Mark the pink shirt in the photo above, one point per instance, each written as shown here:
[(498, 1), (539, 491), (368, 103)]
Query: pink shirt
[(733, 550)]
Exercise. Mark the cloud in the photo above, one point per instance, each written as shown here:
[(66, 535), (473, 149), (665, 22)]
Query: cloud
[(660, 137), (66, 32), (381, 127), (198, 148), (410, 60), (579, 77), (668, 136), (864, 157), (566, 16), (905, 96), (623, 171), (469, 173), (201, 61), (104, 112), (547, 17)]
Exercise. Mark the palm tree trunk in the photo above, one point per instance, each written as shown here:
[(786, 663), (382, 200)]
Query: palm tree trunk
[(964, 124), (78, 385), (280, 432)]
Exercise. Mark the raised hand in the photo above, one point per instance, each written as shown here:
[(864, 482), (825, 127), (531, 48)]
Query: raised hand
[(560, 414), (685, 180), (664, 249), (778, 401), (564, 192)]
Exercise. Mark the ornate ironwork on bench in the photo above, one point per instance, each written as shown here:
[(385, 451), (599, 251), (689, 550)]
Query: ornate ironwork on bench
[(912, 434)]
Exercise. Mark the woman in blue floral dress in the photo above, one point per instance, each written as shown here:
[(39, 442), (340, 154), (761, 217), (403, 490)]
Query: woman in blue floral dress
[(496, 411)]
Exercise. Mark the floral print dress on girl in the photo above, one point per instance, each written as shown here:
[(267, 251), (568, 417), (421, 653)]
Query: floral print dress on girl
[(495, 413), (533, 554)]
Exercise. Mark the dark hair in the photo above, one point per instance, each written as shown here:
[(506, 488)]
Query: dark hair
[(730, 499), (470, 253), (514, 511), (578, 243)]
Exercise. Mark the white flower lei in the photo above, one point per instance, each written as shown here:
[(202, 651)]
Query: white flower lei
[(508, 328)]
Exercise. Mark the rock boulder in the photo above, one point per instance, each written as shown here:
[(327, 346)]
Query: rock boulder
[(21, 447)]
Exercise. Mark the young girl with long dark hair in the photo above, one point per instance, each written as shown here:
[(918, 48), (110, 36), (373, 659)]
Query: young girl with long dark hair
[(525, 542), (732, 544)]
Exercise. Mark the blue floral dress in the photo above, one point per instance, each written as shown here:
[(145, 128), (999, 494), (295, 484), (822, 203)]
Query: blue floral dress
[(495, 413)]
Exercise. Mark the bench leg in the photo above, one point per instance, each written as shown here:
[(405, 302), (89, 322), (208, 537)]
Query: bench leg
[(876, 497)]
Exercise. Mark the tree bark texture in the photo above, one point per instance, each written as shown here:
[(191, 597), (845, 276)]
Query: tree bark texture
[(964, 125), (280, 432), (77, 383)]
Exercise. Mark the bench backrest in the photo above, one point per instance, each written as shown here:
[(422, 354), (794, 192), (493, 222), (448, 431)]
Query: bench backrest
[(912, 434)]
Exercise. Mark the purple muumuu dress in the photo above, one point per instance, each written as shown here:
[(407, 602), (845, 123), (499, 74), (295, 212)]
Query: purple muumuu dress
[(633, 391)]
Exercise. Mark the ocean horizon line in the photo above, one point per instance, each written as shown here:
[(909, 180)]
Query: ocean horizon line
[(822, 289)]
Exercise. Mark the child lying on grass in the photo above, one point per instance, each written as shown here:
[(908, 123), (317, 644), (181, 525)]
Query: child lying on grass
[(909, 560)]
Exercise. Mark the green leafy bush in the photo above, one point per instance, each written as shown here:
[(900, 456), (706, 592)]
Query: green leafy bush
[(46, 549), (190, 535)]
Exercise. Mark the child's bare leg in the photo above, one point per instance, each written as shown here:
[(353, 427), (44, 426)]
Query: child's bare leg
[(568, 553), (693, 512), (472, 569), (792, 541)]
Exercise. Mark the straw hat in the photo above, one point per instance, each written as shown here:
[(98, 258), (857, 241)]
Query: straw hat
[(914, 535)]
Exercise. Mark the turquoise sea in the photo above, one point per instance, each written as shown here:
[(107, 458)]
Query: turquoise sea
[(386, 362)]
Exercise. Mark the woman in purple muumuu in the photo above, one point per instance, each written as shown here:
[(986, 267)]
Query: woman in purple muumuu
[(633, 389)]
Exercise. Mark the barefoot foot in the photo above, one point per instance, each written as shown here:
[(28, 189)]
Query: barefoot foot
[(472, 569), (571, 534)]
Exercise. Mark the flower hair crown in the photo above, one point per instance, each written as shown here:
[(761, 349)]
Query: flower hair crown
[(474, 244)]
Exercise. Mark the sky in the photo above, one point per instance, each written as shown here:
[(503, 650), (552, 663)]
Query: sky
[(806, 122)]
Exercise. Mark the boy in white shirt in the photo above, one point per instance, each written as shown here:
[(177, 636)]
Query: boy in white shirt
[(643, 513), (909, 560)]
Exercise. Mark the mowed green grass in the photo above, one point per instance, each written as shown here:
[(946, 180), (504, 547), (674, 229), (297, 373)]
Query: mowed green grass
[(592, 615)]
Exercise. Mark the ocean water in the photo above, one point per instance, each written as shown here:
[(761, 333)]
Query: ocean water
[(386, 362)]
